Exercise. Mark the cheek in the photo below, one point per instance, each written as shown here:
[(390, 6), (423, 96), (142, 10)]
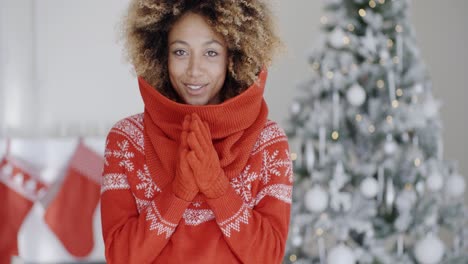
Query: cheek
[(220, 70), (171, 67)]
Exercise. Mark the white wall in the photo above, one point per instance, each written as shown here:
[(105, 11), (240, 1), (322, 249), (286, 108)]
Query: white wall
[(17, 72), (81, 73), (441, 29)]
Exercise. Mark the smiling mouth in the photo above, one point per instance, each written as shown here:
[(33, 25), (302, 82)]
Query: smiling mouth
[(194, 87)]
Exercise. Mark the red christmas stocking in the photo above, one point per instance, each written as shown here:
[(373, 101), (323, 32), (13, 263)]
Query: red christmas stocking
[(70, 214), (19, 189)]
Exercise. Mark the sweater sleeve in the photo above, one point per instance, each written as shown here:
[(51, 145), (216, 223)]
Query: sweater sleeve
[(256, 231), (134, 230)]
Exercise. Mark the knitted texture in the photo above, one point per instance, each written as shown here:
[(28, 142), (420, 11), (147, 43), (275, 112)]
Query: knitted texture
[(184, 184), (240, 215)]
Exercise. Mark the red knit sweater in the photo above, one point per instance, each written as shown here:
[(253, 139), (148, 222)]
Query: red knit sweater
[(143, 223)]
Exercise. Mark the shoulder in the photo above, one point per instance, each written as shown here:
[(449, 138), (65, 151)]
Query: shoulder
[(130, 130), (271, 134)]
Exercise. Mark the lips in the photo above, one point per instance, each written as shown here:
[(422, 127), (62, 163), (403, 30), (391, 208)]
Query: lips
[(195, 89)]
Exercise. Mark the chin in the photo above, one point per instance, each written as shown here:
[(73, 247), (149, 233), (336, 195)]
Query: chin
[(196, 102)]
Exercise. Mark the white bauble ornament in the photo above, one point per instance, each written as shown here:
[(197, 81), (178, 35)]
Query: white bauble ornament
[(418, 88), (455, 185), (431, 108), (369, 187), (316, 199), (295, 108), (435, 182), (384, 55), (356, 95), (341, 254), (390, 146), (429, 250), (405, 201), (297, 240), (336, 38)]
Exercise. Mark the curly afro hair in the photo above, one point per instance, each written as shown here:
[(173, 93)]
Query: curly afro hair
[(246, 25)]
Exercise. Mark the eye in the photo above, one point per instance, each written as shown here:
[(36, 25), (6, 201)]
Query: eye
[(179, 52), (212, 53)]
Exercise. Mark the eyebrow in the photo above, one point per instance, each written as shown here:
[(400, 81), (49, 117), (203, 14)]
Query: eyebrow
[(206, 43)]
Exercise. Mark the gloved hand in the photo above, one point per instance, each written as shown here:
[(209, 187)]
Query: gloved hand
[(204, 161), (184, 185)]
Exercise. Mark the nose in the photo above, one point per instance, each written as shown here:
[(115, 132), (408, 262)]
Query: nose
[(194, 68)]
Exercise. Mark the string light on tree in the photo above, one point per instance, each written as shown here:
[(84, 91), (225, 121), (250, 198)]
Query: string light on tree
[(389, 43), (417, 162), (316, 66), (324, 20), (346, 40), (362, 12), (380, 84), (335, 135), (319, 232), (398, 28), (372, 4), (399, 92), (293, 258), (389, 119), (358, 117), (293, 156)]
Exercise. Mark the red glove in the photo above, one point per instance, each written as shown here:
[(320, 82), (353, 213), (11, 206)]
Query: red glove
[(204, 160), (184, 185)]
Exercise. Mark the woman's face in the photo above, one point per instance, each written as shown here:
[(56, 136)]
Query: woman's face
[(197, 60)]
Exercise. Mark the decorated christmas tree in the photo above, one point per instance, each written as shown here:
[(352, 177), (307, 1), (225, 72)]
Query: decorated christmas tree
[(371, 184)]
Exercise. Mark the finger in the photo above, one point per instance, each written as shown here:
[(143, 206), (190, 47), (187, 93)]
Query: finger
[(195, 116), (195, 146), (186, 123), (192, 160), (196, 128), (183, 140), (207, 130), (183, 162)]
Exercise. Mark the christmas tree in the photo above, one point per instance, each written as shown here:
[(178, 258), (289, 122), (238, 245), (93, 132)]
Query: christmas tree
[(371, 185)]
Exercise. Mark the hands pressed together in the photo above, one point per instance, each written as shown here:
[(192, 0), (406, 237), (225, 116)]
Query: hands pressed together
[(198, 168)]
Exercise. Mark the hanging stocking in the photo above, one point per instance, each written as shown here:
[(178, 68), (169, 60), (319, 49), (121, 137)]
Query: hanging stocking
[(19, 189), (70, 214)]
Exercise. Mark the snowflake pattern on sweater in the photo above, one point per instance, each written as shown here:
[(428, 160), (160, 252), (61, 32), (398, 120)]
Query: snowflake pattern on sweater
[(270, 176)]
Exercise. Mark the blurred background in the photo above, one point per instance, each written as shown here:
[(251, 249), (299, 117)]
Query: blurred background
[(63, 77)]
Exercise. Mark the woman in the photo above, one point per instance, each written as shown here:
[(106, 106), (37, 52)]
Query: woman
[(201, 176)]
